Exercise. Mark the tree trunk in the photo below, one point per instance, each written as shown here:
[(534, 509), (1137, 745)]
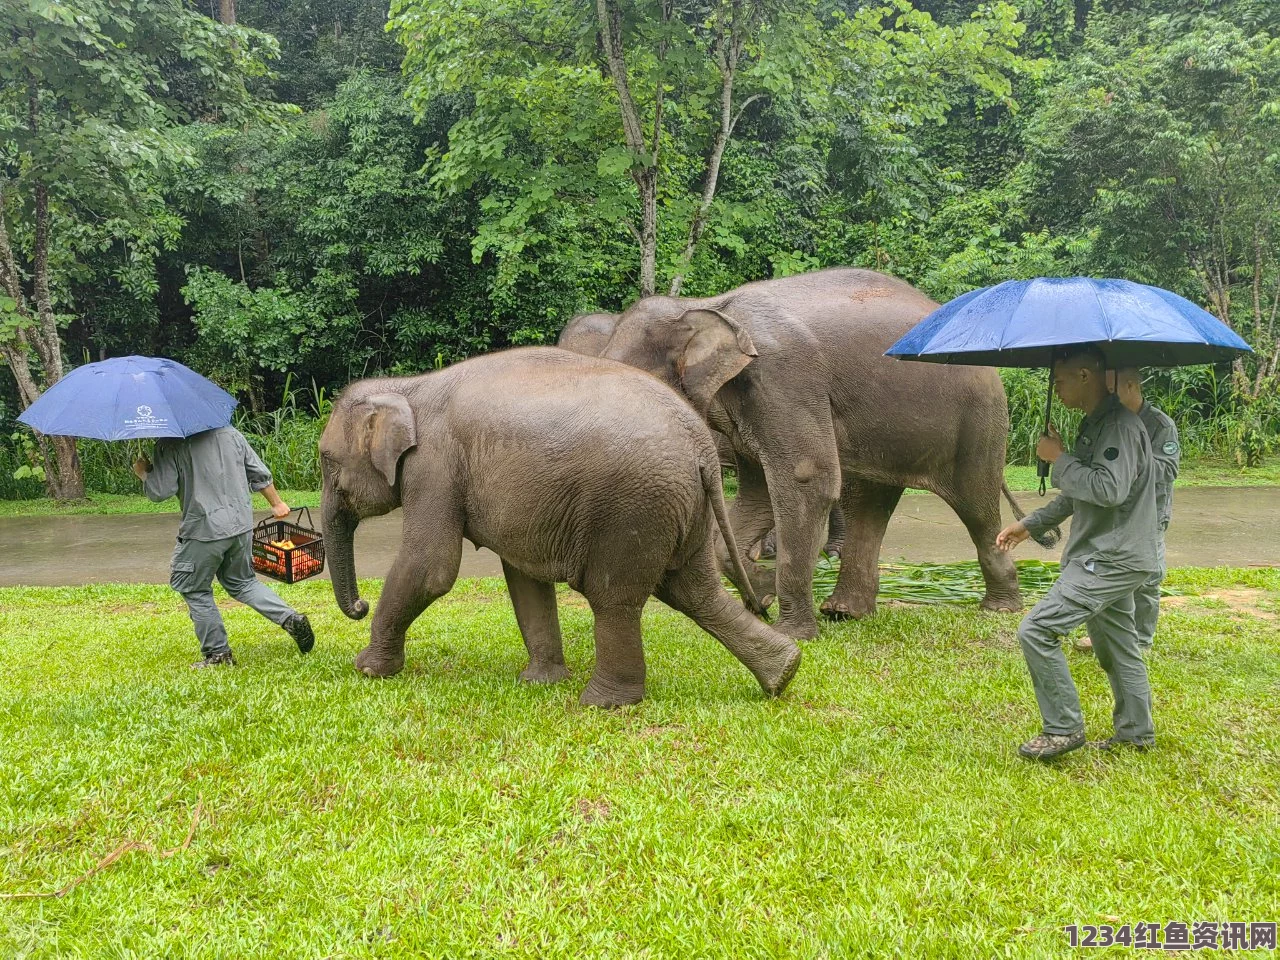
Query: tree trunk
[(64, 478), (227, 12), (645, 175)]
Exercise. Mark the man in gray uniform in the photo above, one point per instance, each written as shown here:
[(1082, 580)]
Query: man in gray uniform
[(1166, 454), (212, 474), (1108, 489)]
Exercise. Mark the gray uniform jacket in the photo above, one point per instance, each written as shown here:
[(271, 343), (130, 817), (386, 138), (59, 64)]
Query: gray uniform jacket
[(1166, 455), (1108, 485), (212, 474)]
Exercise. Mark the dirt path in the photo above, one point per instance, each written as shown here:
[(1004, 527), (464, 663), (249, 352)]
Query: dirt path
[(1211, 527)]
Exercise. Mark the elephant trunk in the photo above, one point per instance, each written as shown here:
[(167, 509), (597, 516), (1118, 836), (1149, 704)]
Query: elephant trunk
[(339, 539)]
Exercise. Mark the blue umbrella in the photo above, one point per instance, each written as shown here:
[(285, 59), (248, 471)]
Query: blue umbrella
[(1019, 323), (130, 398)]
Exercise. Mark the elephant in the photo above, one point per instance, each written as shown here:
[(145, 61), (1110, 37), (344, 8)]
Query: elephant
[(792, 370), (588, 333), (572, 469)]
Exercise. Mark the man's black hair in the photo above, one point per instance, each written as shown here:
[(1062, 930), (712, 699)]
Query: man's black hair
[(1090, 350)]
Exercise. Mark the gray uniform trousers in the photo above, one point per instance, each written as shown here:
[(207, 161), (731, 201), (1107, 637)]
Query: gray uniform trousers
[(1103, 598), (1147, 603), (197, 562)]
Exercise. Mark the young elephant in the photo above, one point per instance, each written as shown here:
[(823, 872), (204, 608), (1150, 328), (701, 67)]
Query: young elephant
[(570, 468)]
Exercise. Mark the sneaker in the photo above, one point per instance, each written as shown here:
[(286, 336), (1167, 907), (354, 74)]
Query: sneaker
[(1115, 743), (299, 627), (217, 660), (1046, 746)]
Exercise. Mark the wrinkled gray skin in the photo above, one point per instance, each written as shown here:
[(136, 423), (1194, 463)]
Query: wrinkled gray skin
[(571, 469), (589, 333), (792, 372)]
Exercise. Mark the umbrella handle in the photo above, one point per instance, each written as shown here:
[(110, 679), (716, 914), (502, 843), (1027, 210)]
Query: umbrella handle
[(1042, 468)]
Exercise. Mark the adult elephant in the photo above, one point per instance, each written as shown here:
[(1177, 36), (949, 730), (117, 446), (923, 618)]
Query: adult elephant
[(589, 333), (572, 469), (793, 372)]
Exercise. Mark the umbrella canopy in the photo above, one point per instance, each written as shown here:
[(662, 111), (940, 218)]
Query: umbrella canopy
[(129, 398), (1018, 323)]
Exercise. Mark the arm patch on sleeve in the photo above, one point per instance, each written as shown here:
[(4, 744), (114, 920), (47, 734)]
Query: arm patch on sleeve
[(1111, 453), (1170, 448)]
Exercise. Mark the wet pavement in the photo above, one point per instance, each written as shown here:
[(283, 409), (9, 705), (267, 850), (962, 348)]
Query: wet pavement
[(1211, 527)]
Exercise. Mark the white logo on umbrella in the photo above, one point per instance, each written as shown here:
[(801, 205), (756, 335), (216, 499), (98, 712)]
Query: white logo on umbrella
[(145, 419)]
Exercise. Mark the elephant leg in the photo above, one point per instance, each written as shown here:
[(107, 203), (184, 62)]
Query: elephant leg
[(618, 677), (767, 547), (979, 509), (695, 590), (804, 486), (867, 507), (751, 516), (417, 579), (835, 532), (535, 606)]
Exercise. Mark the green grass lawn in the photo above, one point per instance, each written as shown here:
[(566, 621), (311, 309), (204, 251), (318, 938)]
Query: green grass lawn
[(118, 503), (1209, 474), (878, 808), (1195, 474)]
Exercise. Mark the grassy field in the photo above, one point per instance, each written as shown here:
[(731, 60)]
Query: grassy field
[(878, 808), (1209, 474)]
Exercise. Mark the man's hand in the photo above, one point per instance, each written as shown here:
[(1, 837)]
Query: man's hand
[(1049, 447), (141, 467), (1011, 536), (279, 509)]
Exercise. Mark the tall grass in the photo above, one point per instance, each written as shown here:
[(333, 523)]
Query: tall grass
[(1213, 419)]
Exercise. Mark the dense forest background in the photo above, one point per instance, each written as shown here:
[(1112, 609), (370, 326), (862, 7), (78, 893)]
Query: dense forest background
[(288, 194)]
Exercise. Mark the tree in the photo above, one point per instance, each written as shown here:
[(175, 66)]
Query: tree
[(90, 94), (620, 115), (1167, 151)]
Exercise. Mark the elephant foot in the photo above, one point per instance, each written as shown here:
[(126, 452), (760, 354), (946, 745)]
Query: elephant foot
[(782, 669), (797, 628), (376, 663), (1001, 604), (834, 609), (607, 694), (764, 549), (544, 672)]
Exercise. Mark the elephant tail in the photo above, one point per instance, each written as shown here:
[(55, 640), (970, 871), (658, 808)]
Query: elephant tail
[(1049, 538), (710, 470)]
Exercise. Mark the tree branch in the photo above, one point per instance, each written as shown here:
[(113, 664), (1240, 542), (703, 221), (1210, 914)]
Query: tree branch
[(743, 109), (47, 344), (610, 20), (729, 51)]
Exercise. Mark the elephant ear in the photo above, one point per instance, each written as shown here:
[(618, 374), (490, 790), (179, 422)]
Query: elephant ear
[(718, 349), (389, 432)]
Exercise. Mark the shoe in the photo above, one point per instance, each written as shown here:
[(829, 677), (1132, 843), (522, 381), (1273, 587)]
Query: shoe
[(299, 627), (217, 660), (1115, 743), (1046, 746)]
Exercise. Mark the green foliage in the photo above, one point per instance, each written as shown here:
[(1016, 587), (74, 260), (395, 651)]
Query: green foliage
[(485, 196), (93, 95), (541, 142), (32, 458)]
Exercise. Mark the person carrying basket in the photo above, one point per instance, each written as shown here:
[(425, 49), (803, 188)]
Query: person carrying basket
[(212, 473)]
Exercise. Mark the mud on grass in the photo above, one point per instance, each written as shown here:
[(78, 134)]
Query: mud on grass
[(878, 807)]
